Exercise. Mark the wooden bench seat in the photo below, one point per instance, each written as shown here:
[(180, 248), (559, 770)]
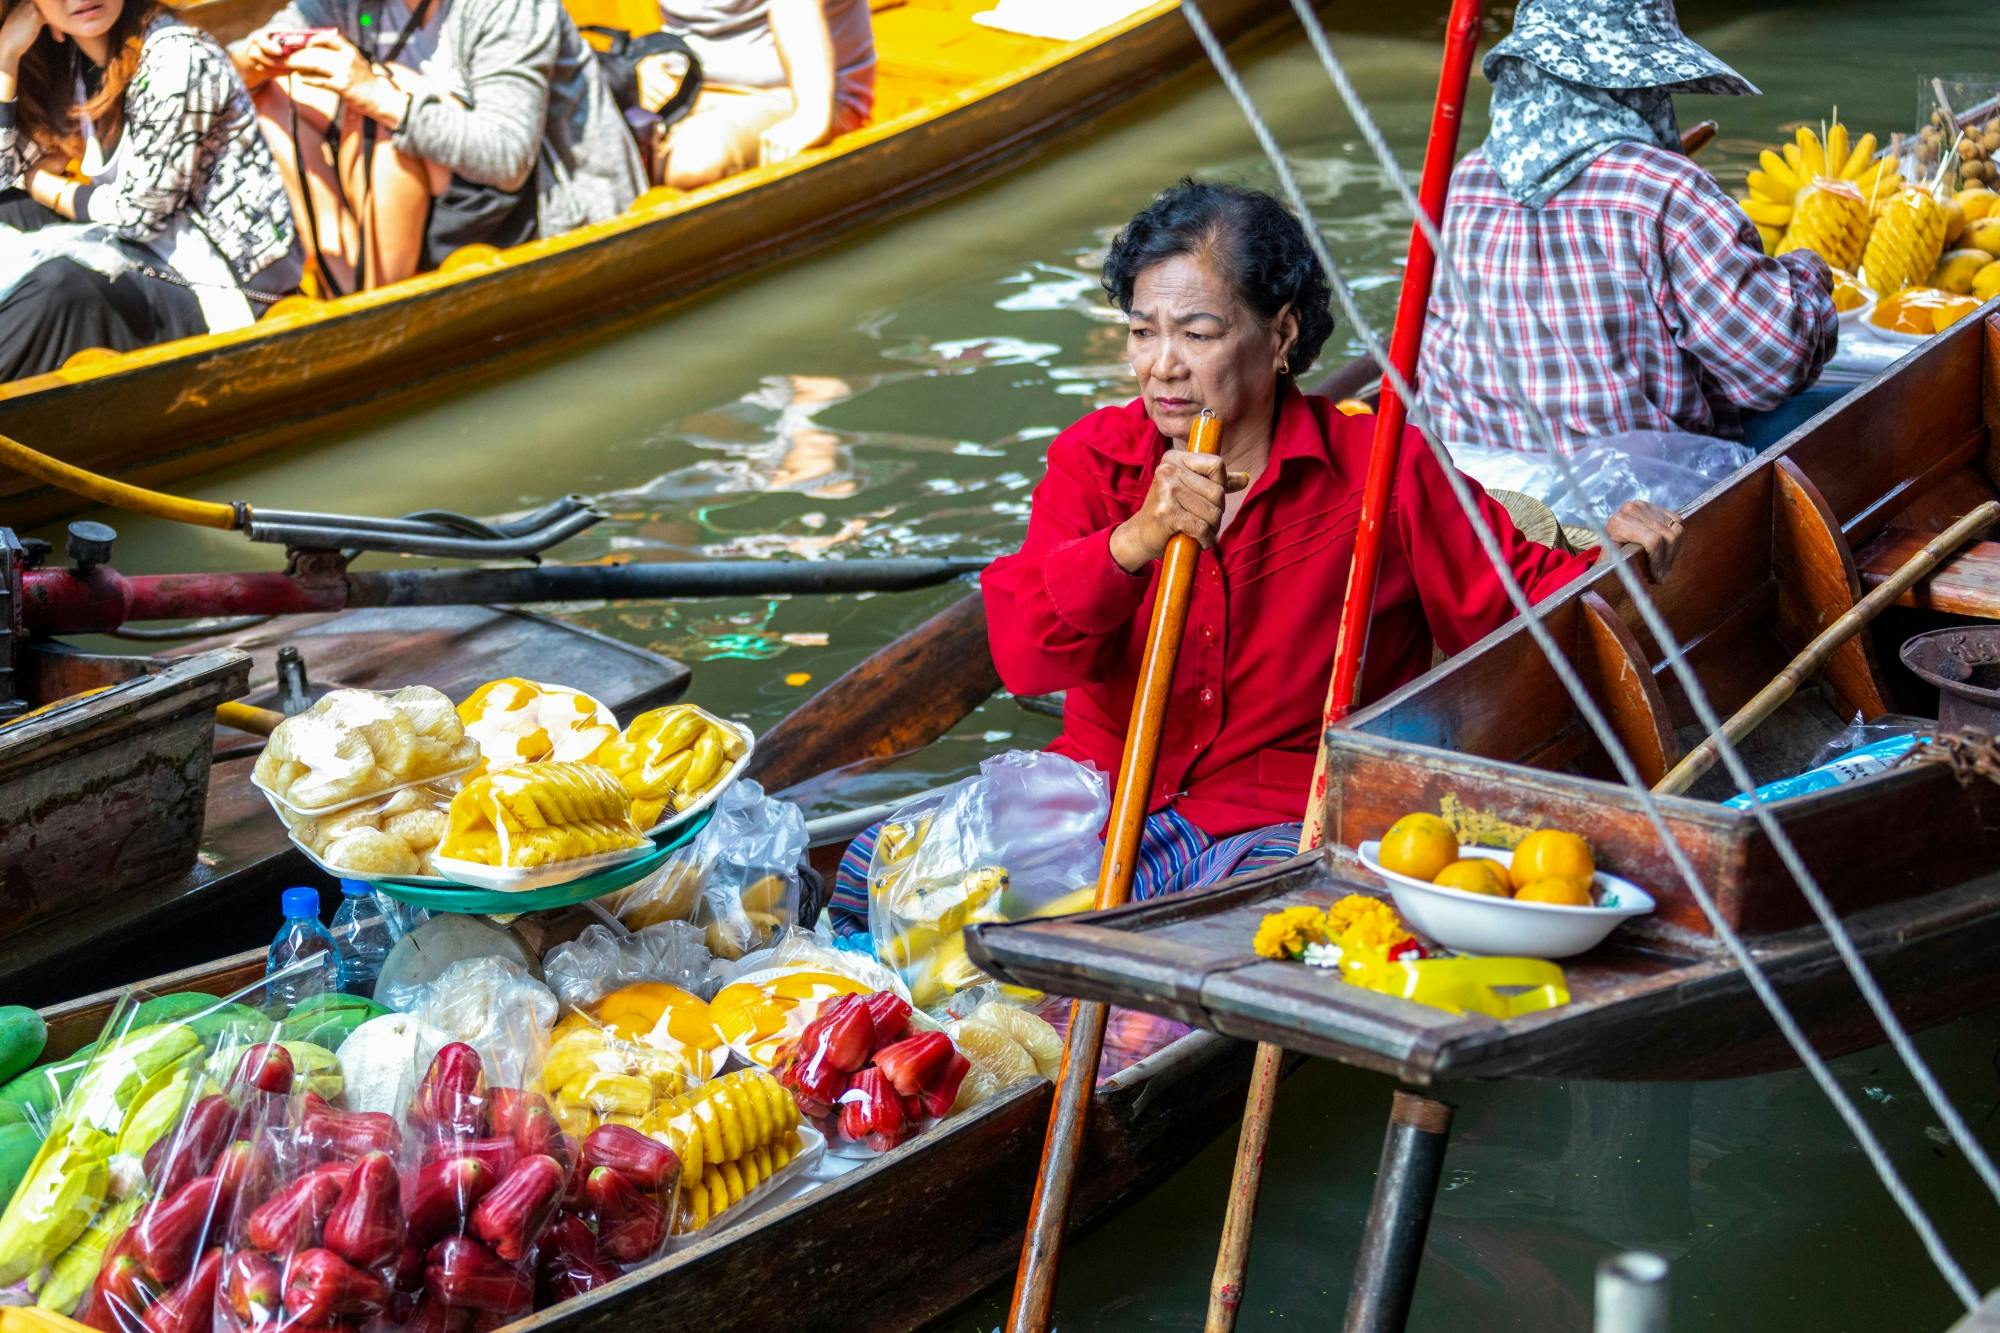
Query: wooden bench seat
[(1968, 584)]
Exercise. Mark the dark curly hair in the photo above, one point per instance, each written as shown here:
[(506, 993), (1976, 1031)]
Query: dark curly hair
[(1260, 244)]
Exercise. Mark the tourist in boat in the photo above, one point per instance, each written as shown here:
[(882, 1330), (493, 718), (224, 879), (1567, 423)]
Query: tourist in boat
[(1226, 306), (186, 226), (406, 133), (778, 77), (1622, 284)]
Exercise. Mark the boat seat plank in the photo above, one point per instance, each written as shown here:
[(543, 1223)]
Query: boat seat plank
[(1817, 584), (1968, 584), (1618, 677)]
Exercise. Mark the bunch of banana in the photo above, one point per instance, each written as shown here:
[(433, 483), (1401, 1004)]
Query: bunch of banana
[(593, 1076), (1772, 191), (669, 758), (1830, 219), (928, 947), (1906, 243), (731, 1134), (536, 814)]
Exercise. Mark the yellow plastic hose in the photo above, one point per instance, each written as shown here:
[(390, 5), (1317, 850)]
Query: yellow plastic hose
[(248, 717), (117, 494)]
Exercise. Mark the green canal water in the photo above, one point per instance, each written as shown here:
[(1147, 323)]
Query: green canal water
[(893, 395)]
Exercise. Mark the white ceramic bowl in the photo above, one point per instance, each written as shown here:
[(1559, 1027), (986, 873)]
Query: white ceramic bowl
[(1476, 924)]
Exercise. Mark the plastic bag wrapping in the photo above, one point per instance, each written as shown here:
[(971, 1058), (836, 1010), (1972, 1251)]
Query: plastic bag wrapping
[(109, 1120), (738, 880), (1012, 841), (621, 1057), (1130, 1035), (468, 1196), (539, 814), (1669, 468), (394, 834), (1861, 750), (358, 743), (1005, 1042), (492, 1005), (1858, 735), (515, 721), (871, 1072), (766, 998), (601, 960)]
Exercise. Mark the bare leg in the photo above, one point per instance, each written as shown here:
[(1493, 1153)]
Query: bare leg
[(281, 103), (396, 189)]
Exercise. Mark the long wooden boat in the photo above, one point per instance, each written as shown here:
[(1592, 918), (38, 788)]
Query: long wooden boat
[(955, 102), (1910, 858), (922, 1229)]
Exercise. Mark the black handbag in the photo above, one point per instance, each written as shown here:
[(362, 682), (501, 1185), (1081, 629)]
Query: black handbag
[(621, 58)]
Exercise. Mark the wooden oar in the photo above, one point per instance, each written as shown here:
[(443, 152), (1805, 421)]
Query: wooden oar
[(1768, 700), (1041, 1247)]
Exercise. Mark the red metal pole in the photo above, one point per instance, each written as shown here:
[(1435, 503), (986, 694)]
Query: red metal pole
[(1357, 608), (63, 601), (1225, 1294)]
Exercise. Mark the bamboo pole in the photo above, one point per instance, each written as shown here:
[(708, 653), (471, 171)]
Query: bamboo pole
[(1076, 1081), (1769, 699)]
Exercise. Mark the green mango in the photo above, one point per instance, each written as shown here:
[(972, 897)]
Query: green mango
[(337, 1000), (237, 1023), (172, 1008), (18, 1145), (31, 1098), (22, 1037)]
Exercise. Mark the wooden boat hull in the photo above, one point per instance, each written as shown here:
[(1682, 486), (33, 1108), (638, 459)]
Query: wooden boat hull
[(197, 403), (1910, 859), (901, 1240)]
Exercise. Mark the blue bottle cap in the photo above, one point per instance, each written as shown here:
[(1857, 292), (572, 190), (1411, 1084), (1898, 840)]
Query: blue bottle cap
[(357, 888), (300, 902)]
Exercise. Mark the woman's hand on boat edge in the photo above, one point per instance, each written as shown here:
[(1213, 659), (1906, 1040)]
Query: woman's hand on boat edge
[(1185, 496), (1655, 531)]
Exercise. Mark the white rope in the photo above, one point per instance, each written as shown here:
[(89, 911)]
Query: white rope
[(1843, 943), (1788, 1026)]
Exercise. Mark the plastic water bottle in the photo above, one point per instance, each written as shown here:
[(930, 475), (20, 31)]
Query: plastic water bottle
[(363, 935), (301, 939)]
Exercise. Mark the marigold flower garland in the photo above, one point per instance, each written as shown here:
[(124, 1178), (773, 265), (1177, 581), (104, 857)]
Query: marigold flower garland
[(1356, 924)]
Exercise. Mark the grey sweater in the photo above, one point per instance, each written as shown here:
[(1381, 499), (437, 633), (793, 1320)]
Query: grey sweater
[(535, 105)]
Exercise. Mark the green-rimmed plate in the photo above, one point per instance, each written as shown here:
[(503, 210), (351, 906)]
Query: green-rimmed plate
[(490, 902)]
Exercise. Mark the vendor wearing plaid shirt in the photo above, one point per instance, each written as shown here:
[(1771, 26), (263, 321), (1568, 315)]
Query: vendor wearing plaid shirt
[(1624, 287)]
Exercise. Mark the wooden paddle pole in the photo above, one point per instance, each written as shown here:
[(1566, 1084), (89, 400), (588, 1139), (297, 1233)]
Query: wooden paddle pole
[(1076, 1081), (1856, 618), (1225, 1293)]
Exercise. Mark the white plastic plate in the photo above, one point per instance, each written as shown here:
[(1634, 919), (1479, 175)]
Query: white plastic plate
[(802, 1168), (340, 872), (1476, 924)]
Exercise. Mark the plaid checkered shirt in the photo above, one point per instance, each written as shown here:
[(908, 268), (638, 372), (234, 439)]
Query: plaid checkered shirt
[(1638, 298)]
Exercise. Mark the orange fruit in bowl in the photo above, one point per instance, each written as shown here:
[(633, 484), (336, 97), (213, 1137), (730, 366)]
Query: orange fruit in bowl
[(1474, 874), (1552, 853), (1557, 889), (1952, 309), (1419, 846)]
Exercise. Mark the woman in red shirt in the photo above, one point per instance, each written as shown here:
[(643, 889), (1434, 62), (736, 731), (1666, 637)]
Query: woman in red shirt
[(1226, 304)]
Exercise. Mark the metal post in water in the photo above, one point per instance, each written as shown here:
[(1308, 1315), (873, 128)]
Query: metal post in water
[(1385, 1273), (1632, 1293)]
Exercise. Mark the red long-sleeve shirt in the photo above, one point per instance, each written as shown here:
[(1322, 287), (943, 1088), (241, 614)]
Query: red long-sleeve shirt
[(1242, 723)]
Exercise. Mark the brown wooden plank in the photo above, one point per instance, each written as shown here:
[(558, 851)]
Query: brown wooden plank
[(1617, 676), (900, 698), (1817, 584), (1968, 584)]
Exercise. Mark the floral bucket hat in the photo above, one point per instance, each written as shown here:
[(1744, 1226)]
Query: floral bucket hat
[(1615, 44)]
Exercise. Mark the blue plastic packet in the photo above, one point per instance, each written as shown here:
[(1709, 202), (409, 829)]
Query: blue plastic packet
[(1860, 762)]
